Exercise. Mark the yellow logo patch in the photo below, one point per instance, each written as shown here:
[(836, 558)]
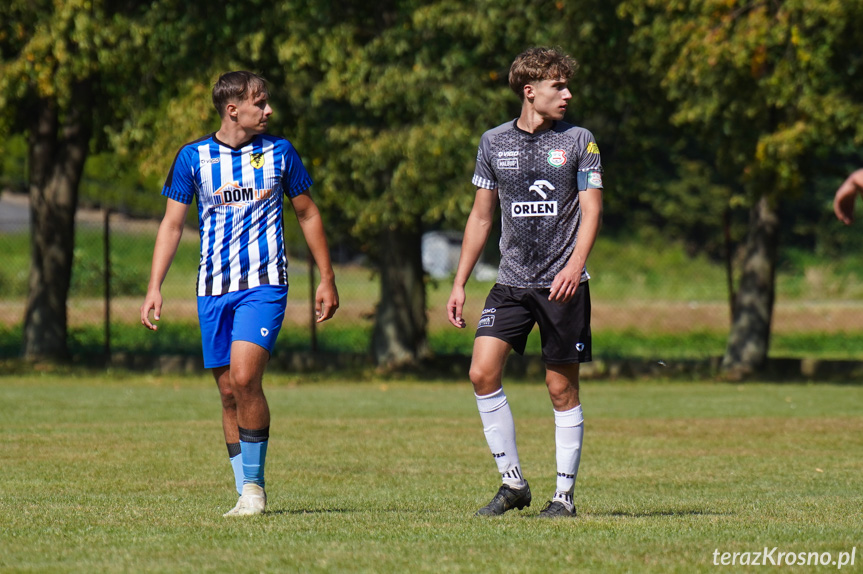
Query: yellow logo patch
[(257, 160), (592, 148)]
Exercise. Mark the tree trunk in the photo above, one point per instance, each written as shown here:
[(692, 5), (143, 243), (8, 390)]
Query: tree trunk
[(57, 152), (749, 340), (399, 337)]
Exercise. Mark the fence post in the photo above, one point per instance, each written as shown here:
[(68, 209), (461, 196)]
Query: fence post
[(106, 247), (729, 256)]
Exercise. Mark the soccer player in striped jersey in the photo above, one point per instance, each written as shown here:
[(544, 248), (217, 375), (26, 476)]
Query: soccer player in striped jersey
[(546, 175), (239, 177)]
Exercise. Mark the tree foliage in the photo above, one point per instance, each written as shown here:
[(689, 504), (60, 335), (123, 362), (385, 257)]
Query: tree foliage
[(70, 72), (401, 92), (768, 86), (56, 60), (700, 108)]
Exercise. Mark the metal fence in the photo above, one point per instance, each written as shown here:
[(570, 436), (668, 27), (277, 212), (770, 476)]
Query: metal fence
[(111, 271)]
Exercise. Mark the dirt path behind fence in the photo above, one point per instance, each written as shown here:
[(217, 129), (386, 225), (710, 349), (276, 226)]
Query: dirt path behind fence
[(654, 317)]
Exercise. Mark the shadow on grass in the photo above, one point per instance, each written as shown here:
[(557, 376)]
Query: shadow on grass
[(660, 513), (686, 513), (300, 512)]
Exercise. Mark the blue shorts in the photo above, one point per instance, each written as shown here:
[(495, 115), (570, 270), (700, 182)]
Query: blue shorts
[(254, 315)]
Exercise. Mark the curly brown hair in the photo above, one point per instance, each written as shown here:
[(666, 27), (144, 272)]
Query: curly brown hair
[(537, 64)]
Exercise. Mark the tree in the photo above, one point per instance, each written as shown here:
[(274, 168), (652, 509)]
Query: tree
[(69, 72), (387, 106), (49, 69), (402, 89), (768, 86)]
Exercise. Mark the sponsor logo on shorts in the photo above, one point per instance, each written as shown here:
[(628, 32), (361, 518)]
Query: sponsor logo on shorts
[(534, 209), (579, 347), (487, 311), (264, 331), (486, 321)]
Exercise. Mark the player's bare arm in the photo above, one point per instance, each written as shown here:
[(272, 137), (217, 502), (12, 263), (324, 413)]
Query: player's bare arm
[(311, 224), (566, 282), (167, 241), (476, 232), (846, 195)]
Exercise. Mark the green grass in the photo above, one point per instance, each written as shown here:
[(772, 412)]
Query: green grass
[(623, 268), (626, 271), (121, 473), (184, 338)]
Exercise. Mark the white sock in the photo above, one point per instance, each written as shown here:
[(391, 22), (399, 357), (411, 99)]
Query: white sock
[(568, 437), (499, 429), (565, 498)]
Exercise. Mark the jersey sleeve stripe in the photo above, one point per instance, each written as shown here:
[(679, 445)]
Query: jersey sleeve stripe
[(483, 182)]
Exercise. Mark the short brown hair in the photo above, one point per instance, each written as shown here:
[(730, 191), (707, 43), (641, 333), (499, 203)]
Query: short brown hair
[(236, 87), (537, 64)]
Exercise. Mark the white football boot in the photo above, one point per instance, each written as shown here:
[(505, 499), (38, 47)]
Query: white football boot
[(253, 501)]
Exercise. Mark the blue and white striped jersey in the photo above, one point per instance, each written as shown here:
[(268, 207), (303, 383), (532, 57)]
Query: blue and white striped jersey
[(240, 194)]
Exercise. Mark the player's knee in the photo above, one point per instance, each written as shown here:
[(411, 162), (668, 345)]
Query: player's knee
[(477, 376), (227, 396), (484, 381), (243, 382), (562, 392), (240, 384)]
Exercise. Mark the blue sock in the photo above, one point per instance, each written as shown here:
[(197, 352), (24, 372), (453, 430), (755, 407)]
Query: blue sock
[(237, 464), (236, 458), (253, 444)]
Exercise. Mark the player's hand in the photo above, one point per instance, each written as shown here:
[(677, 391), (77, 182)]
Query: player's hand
[(843, 204), (153, 302), (326, 301), (564, 285), (455, 306)]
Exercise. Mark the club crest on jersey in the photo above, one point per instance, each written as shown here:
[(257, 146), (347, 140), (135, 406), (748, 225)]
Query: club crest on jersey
[(257, 160), (557, 157)]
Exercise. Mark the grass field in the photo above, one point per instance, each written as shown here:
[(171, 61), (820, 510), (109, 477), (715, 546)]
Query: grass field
[(649, 301), (122, 473)]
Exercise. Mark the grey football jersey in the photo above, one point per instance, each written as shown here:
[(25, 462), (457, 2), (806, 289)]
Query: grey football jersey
[(537, 177)]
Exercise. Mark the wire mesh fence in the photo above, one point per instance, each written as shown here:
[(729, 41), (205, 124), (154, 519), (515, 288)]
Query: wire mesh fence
[(668, 308)]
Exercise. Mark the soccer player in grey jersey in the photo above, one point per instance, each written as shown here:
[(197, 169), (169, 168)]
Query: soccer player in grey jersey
[(547, 177)]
